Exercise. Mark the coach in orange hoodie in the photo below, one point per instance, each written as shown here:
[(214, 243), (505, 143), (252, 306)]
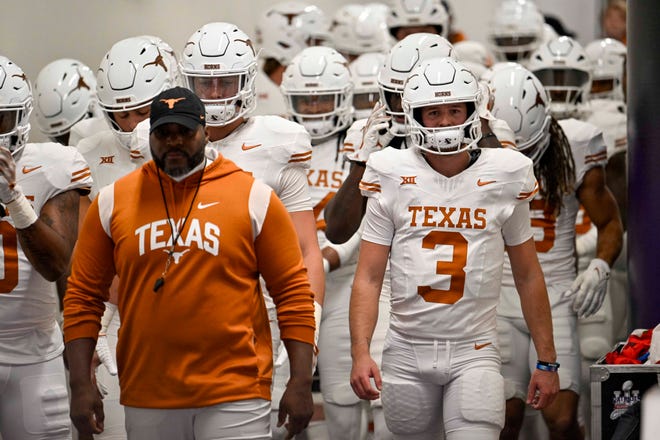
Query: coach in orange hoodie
[(188, 236)]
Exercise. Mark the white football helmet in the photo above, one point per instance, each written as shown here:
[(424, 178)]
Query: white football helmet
[(474, 55), (418, 13), (400, 61), (516, 30), (220, 65), (318, 90), (358, 29), (608, 61), (64, 93), (364, 73), (564, 69), (130, 75), (170, 58), (282, 31), (15, 106), (440, 81), (521, 101)]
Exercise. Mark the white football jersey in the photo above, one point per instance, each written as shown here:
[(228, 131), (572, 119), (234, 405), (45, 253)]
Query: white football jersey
[(29, 332), (276, 151), (108, 159), (447, 236), (609, 116), (270, 99), (554, 236), (86, 128), (325, 176)]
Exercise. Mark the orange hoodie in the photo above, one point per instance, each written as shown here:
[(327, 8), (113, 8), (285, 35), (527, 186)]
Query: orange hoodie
[(203, 338)]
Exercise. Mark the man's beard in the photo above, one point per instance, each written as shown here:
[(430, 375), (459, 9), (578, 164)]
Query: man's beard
[(179, 170)]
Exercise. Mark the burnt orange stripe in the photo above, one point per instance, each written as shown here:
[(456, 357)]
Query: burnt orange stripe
[(75, 179), (84, 170), (300, 160), (511, 144), (306, 153)]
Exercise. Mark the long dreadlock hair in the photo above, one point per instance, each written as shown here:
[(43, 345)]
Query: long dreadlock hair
[(555, 170)]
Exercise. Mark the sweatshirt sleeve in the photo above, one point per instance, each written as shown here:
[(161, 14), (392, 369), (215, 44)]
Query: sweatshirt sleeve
[(280, 262), (92, 272)]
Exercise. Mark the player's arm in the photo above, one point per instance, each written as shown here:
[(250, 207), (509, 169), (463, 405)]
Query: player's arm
[(617, 183), (305, 225), (49, 241), (601, 206), (530, 284), (344, 212), (363, 316)]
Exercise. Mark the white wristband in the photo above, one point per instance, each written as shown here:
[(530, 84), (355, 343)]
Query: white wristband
[(326, 266), (109, 312), (21, 212)]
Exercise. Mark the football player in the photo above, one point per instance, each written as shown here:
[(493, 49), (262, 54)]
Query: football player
[(219, 63), (569, 158), (40, 189), (516, 30), (441, 213), (318, 90)]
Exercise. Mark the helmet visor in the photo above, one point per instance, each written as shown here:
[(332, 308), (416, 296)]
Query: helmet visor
[(8, 121), (365, 101), (315, 104)]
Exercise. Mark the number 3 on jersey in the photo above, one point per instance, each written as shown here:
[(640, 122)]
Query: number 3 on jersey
[(454, 268), (9, 258)]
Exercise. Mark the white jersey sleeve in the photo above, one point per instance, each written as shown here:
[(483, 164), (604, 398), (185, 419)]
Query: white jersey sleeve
[(295, 190), (29, 332), (266, 147), (517, 229), (587, 145)]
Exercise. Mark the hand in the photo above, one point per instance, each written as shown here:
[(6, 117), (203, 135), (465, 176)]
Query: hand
[(589, 288), (8, 188), (365, 368), (375, 135), (87, 411), (105, 355), (543, 388), (296, 407)]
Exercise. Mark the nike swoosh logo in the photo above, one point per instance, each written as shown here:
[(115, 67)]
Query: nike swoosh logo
[(480, 346), (201, 205), (485, 182), (27, 170), (249, 147)]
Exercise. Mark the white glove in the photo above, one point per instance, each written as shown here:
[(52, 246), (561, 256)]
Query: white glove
[(105, 355), (589, 288), (102, 348), (375, 135), (8, 189)]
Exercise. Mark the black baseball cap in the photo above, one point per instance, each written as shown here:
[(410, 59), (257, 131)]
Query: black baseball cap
[(177, 105)]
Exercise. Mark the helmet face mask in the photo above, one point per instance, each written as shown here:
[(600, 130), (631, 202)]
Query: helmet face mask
[(15, 106), (442, 83), (516, 30), (364, 73), (417, 14), (608, 61), (319, 92), (220, 57), (564, 70)]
